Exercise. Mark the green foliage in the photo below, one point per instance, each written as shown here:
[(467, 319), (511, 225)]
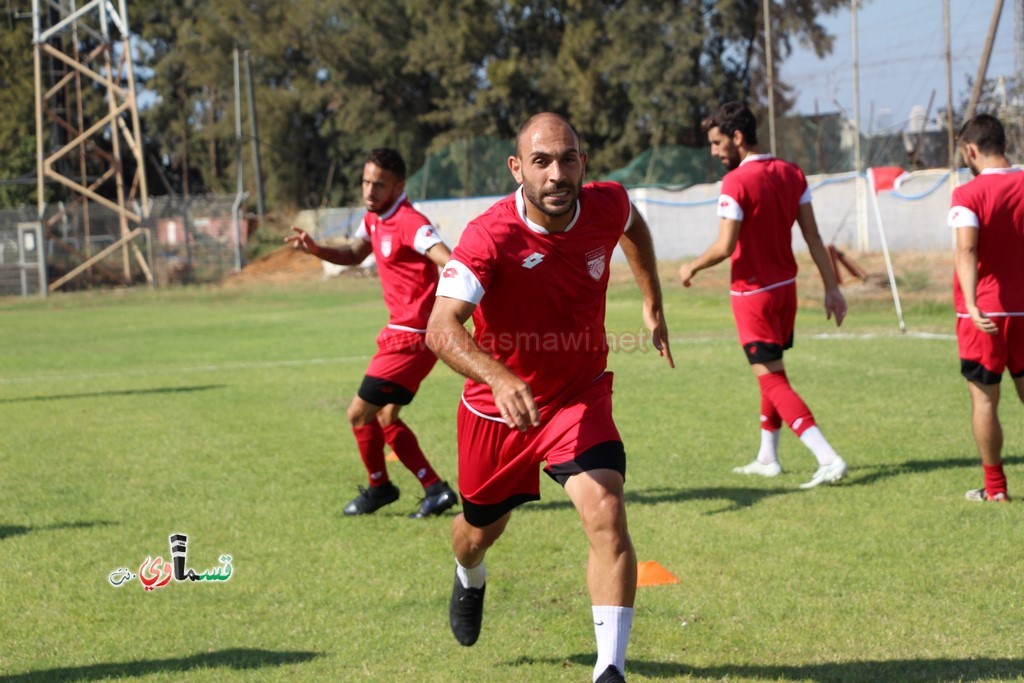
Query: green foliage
[(220, 413), (336, 77)]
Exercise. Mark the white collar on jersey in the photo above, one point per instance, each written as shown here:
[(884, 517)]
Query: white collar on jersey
[(521, 207), (394, 207), (755, 157), (990, 171)]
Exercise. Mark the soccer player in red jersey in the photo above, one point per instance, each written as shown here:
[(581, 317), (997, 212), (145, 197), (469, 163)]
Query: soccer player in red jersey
[(532, 272), (408, 251), (760, 199), (988, 287)]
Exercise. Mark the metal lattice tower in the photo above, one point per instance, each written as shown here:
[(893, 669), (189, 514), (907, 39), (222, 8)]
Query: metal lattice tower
[(87, 111)]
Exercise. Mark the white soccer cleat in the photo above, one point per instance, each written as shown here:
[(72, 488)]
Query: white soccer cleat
[(772, 469), (827, 474)]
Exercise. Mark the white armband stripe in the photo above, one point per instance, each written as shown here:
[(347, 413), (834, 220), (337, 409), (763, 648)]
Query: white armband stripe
[(426, 237), (962, 217), (459, 282), (729, 208)]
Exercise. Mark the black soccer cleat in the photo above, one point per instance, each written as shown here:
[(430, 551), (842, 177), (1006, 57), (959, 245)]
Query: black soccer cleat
[(466, 612), (435, 504), (372, 499), (611, 675)]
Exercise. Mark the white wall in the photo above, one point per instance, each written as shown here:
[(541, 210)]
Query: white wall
[(683, 223)]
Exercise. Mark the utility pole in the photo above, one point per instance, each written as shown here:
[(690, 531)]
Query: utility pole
[(858, 163), (254, 137), (949, 95), (986, 54), (771, 75)]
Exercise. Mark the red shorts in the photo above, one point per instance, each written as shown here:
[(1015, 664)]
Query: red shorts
[(984, 357), (499, 466), (398, 368), (765, 322)]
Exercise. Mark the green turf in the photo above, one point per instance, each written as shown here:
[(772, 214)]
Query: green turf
[(127, 416)]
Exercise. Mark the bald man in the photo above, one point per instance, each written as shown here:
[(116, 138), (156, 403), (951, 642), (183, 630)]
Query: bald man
[(532, 272)]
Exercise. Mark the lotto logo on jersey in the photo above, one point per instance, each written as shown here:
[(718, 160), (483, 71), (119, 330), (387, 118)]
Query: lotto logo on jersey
[(533, 259), (595, 262)]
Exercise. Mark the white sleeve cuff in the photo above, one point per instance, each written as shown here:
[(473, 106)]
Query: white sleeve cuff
[(729, 208), (459, 282), (962, 217), (426, 237), (361, 232), (805, 198)]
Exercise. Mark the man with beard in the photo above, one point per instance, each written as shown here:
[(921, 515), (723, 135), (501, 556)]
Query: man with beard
[(408, 251), (533, 272), (988, 290), (760, 199)]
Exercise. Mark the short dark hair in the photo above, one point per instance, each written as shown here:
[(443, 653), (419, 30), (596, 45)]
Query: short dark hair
[(732, 117), (388, 159), (985, 131)]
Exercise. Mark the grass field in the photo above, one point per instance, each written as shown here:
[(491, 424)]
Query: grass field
[(131, 415)]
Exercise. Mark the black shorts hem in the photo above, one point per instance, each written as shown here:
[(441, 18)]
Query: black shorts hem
[(609, 455), (764, 352), (484, 515), (973, 371), (381, 392)]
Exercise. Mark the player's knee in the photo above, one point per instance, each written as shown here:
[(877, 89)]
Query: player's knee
[(605, 515)]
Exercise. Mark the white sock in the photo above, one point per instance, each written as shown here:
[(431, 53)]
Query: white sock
[(611, 626), (819, 445), (471, 577), (769, 451)]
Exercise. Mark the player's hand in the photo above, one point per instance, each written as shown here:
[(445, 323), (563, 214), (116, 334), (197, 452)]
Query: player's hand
[(655, 322), (686, 274), (835, 304), (301, 240), (983, 322), (514, 401)]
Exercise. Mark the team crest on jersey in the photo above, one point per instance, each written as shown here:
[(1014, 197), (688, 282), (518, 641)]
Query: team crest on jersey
[(595, 263), (385, 245)]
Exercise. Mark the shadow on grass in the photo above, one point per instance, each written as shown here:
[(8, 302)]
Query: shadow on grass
[(107, 394), (18, 530), (897, 469), (737, 497), (933, 670), (239, 659)]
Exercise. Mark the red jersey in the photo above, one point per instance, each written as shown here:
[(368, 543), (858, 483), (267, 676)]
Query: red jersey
[(993, 204), (540, 296), (763, 193), (400, 239)]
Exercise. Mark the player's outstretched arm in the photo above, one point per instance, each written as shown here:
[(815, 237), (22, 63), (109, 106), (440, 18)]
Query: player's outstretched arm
[(721, 249), (965, 260), (835, 303), (352, 254), (638, 247), (448, 337)]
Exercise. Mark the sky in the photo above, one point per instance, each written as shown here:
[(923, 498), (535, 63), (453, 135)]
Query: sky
[(902, 47)]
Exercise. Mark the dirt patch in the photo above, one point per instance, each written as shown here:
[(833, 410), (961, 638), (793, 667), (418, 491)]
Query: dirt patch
[(283, 265)]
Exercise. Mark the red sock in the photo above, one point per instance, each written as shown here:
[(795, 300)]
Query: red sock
[(370, 439), (995, 480), (775, 387), (405, 445), (770, 418)]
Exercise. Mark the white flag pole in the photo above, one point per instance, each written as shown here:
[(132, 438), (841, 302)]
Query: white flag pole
[(885, 250)]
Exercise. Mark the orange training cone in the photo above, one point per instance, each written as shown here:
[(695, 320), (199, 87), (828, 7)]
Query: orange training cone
[(651, 573), (391, 456)]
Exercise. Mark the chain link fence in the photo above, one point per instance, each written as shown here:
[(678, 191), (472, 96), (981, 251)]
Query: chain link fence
[(184, 240)]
